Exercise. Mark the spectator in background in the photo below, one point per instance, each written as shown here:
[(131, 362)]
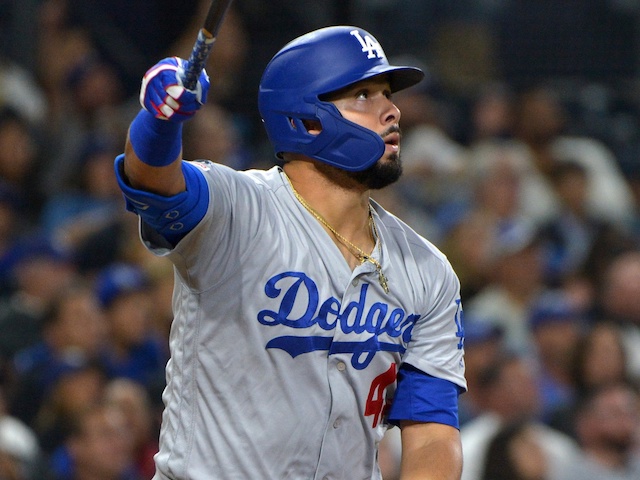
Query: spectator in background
[(578, 245), (483, 347), (38, 272), (73, 332), (540, 130), (108, 240), (607, 426), (142, 422), (508, 394), (20, 456), (468, 245), (89, 204), (214, 136), (84, 93), (99, 446), (74, 389), (133, 349), (12, 227), (21, 92), (516, 281), (619, 301), (59, 46), (491, 114), (598, 358), (491, 159), (19, 155), (19, 451), (556, 324), (494, 203), (91, 109), (496, 184), (516, 453)]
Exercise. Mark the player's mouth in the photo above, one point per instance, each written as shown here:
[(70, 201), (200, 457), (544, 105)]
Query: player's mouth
[(392, 141)]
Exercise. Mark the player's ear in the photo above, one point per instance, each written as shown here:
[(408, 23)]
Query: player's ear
[(314, 127)]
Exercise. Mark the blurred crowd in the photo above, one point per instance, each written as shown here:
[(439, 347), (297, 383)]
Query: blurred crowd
[(521, 153)]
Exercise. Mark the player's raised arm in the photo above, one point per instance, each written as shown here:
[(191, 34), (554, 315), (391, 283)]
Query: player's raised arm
[(170, 196), (153, 150)]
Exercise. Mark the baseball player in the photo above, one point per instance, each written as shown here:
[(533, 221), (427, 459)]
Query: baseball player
[(308, 319)]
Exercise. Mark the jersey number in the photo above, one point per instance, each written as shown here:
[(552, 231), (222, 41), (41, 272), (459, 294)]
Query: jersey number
[(376, 401)]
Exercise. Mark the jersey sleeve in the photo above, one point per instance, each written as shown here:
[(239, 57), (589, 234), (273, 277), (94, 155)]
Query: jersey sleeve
[(424, 398), (233, 226), (431, 376), (436, 346)]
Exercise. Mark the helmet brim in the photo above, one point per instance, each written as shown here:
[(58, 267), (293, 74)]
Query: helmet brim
[(400, 77), (403, 77)]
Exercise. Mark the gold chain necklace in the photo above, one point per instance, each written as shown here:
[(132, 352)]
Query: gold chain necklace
[(353, 248)]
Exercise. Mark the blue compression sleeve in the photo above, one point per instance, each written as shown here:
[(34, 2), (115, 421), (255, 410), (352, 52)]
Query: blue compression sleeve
[(156, 142), (423, 398), (172, 217)]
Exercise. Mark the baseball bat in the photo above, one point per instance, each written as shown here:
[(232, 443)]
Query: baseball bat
[(204, 43)]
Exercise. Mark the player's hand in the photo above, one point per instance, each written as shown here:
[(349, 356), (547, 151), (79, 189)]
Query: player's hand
[(163, 95)]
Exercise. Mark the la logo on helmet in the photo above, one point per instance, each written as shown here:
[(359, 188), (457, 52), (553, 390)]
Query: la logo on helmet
[(369, 45)]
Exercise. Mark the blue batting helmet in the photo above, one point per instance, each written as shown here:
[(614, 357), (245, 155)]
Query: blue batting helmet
[(318, 63)]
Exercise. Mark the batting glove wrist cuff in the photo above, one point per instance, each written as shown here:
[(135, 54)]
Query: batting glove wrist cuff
[(156, 142)]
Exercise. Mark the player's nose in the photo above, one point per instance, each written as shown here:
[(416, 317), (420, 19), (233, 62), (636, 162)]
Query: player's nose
[(390, 112)]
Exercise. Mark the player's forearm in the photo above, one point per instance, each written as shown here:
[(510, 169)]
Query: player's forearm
[(166, 180), (153, 150), (431, 453), (437, 461)]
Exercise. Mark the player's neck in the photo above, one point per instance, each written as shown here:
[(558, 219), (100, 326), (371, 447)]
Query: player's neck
[(345, 209)]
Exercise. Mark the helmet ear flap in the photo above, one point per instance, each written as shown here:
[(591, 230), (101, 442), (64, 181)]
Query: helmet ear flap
[(339, 142), (345, 144)]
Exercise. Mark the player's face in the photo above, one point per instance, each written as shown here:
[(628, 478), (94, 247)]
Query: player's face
[(369, 104)]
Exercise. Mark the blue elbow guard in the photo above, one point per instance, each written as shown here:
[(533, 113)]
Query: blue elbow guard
[(172, 217), (156, 142)]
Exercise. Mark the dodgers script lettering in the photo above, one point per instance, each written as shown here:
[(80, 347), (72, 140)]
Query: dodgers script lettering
[(296, 289)]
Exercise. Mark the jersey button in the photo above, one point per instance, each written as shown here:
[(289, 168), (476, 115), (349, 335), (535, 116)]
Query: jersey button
[(354, 282), (337, 423), (341, 366)]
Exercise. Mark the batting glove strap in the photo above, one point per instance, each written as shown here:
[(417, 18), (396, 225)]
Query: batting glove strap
[(172, 217)]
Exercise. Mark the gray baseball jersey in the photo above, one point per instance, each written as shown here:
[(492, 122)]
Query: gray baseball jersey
[(283, 359)]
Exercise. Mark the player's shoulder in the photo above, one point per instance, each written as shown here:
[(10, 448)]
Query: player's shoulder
[(217, 172), (423, 271), (407, 238)]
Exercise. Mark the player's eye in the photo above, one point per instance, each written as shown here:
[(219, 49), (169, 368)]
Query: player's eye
[(362, 94)]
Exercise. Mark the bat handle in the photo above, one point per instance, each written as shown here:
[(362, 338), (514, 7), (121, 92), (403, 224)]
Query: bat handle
[(197, 59)]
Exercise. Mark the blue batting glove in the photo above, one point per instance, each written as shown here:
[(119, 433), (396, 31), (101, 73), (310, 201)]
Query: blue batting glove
[(163, 95)]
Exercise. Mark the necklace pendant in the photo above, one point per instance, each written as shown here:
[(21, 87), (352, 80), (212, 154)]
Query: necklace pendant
[(383, 281)]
